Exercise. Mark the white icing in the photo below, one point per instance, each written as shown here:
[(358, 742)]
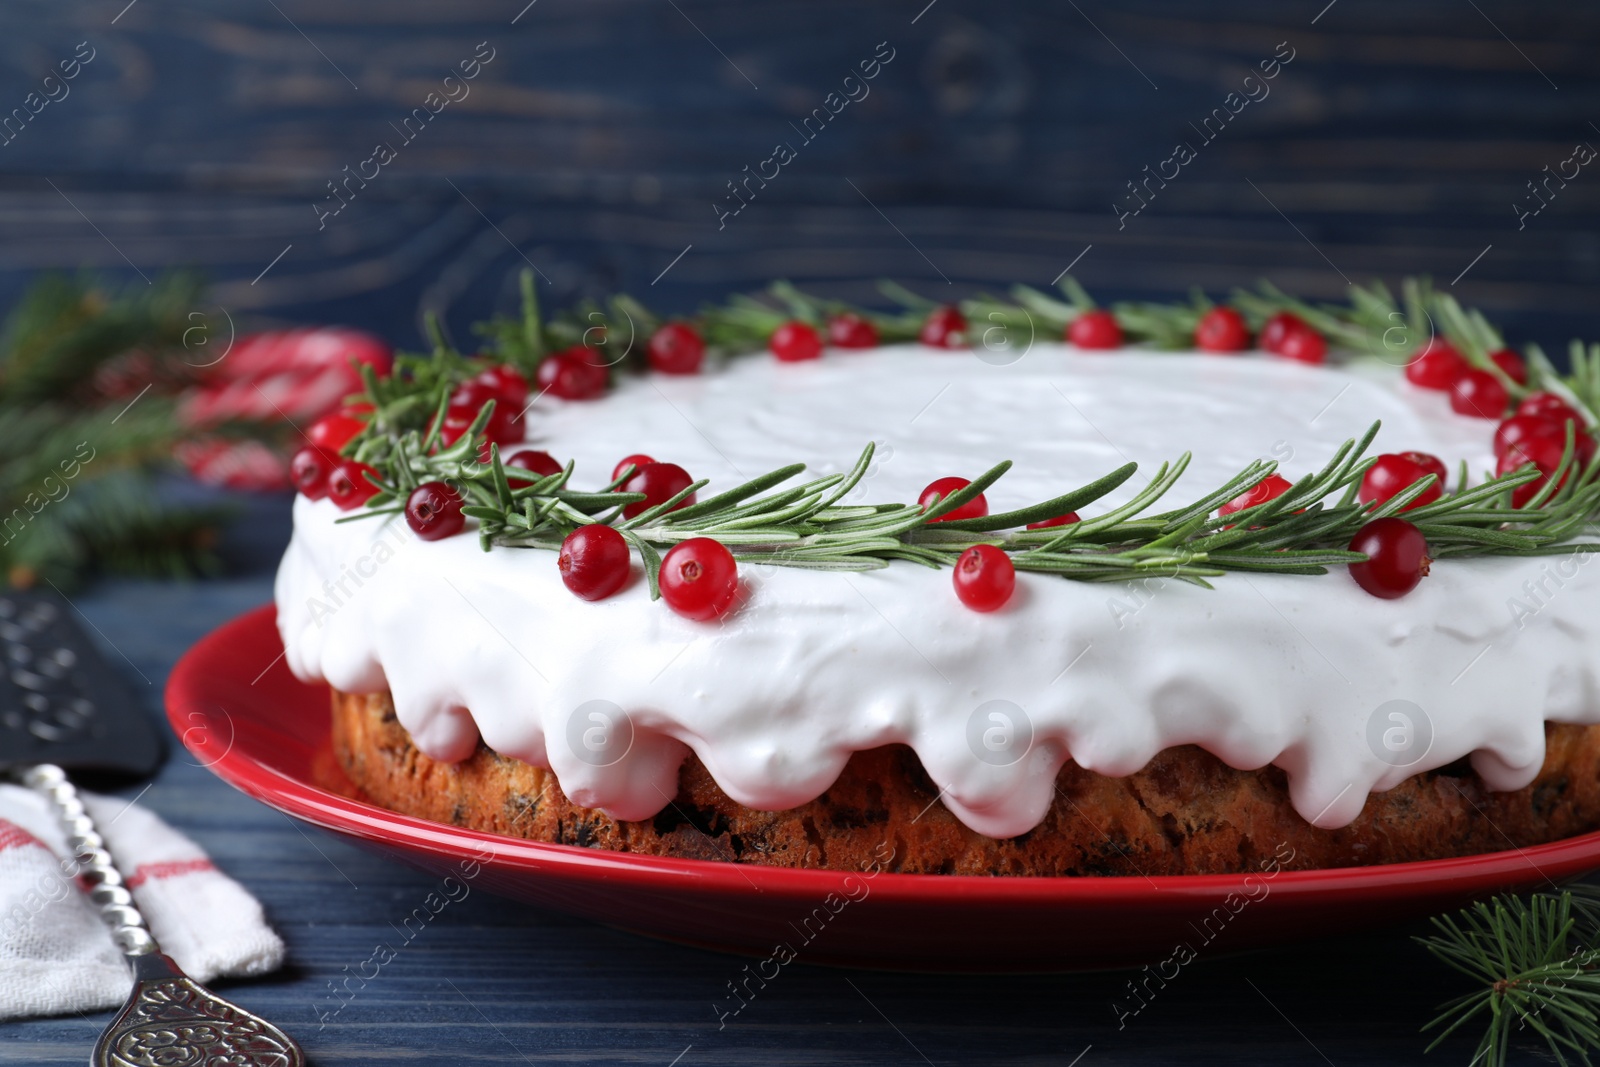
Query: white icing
[(1286, 670)]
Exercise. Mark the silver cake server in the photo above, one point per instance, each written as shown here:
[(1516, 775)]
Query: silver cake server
[(169, 1017), (55, 692)]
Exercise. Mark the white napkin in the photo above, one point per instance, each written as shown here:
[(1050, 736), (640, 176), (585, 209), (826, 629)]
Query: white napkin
[(55, 954)]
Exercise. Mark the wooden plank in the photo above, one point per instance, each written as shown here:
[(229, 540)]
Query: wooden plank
[(600, 137)]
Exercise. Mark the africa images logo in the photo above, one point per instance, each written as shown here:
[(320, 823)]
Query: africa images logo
[(999, 733), (599, 733)]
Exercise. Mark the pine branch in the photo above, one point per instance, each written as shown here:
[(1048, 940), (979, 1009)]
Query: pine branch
[(1537, 964), (64, 329), (116, 524), (74, 466)]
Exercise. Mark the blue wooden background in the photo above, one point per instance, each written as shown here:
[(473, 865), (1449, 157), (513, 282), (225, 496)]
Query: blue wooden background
[(989, 150), (594, 145)]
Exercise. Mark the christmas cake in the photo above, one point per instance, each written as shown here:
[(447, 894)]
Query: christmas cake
[(1011, 606)]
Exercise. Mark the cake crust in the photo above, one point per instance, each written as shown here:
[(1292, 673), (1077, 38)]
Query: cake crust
[(1185, 812)]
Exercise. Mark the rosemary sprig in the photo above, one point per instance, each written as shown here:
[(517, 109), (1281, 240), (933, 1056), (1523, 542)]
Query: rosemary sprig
[(811, 524)]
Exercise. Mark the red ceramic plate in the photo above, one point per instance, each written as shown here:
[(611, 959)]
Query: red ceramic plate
[(267, 734)]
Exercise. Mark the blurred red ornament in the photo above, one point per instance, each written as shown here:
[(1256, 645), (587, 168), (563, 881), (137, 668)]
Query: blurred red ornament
[(276, 378)]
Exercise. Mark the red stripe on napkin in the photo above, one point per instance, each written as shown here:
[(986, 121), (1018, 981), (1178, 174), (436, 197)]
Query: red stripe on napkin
[(156, 871), (14, 836)]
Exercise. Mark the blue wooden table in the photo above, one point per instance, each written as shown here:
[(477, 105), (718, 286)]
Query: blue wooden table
[(490, 981)]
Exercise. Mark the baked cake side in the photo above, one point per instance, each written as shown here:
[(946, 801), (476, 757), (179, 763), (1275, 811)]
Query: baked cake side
[(1186, 812)]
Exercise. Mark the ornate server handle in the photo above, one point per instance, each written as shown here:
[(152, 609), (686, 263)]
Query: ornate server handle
[(95, 865), (169, 1017)]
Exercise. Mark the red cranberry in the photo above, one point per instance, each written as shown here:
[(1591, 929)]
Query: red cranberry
[(348, 486), (1278, 327), (1584, 447), (676, 348), (1480, 394), (1394, 473), (1544, 452), (795, 341), (471, 395), (699, 579), (1095, 329), (1397, 557), (332, 432), (506, 384), (1304, 346), (1518, 458), (942, 488), (945, 327), (575, 374), (309, 470), (1429, 463), (984, 578), (637, 460), (467, 401), (497, 430), (1269, 488), (594, 561), (1518, 428), (1436, 365), (1511, 363), (453, 430), (1222, 330), (659, 482), (1060, 520), (433, 511), (1549, 406), (850, 330), (534, 460)]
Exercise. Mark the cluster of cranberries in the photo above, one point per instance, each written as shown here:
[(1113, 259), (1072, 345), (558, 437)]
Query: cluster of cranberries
[(984, 576), (318, 471), (1396, 550), (698, 578), (1220, 330), (1535, 432), (794, 342), (1285, 334), (1473, 391), (509, 391)]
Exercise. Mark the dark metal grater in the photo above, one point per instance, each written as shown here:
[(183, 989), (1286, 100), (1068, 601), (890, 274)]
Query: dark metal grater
[(60, 701)]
